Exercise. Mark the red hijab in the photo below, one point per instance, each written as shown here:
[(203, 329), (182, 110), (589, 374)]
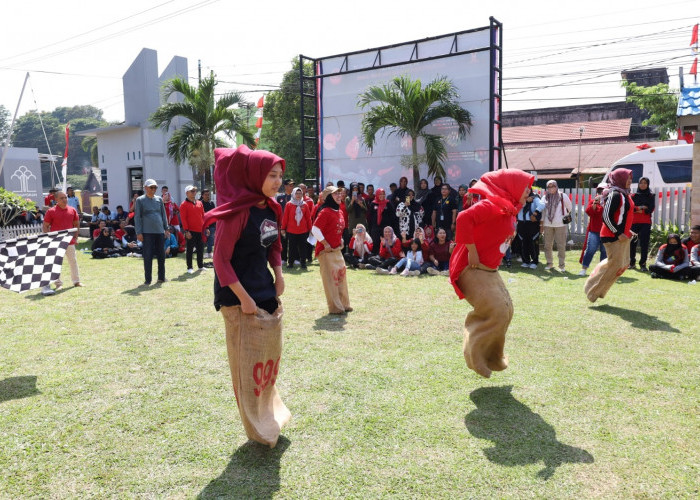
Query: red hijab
[(504, 188), (239, 175), (381, 204), (617, 181)]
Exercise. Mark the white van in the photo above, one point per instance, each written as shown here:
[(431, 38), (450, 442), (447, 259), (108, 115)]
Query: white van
[(665, 166)]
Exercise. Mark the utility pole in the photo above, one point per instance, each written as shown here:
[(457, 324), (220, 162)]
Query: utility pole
[(578, 170), (199, 71)]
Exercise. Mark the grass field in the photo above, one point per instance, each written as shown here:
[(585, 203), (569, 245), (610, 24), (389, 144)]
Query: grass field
[(119, 391)]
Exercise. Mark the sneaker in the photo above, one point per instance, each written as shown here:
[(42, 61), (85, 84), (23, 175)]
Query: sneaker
[(524, 264), (533, 266), (444, 273), (562, 269), (368, 266), (415, 272), (393, 271), (631, 266), (404, 272), (432, 271), (202, 269), (548, 267), (361, 266), (47, 290), (297, 263), (582, 272), (643, 268), (381, 270), (190, 271)]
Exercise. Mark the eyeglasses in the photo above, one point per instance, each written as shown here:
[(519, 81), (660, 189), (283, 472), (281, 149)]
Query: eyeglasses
[(151, 187)]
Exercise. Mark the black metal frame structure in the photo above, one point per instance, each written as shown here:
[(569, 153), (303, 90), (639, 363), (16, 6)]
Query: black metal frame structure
[(310, 101)]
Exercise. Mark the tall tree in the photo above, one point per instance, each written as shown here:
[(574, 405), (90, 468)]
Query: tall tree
[(403, 107), (281, 131), (659, 101), (4, 123), (207, 118)]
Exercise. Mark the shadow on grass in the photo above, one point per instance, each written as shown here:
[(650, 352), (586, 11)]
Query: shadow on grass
[(18, 388), (520, 436), (331, 322), (40, 296), (637, 319), (252, 472)]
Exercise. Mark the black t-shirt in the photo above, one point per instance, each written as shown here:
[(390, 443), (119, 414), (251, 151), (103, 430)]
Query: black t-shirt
[(444, 207), (249, 260)]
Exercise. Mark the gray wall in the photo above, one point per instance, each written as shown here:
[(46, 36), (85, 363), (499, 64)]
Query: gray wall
[(21, 174)]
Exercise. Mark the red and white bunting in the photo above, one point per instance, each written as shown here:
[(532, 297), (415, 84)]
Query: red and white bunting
[(259, 115)]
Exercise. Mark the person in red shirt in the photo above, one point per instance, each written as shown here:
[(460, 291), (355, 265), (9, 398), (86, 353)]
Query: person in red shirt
[(483, 233), (171, 211), (296, 224), (615, 233), (592, 244), (390, 252), (359, 248), (50, 199), (57, 218), (192, 215), (328, 231)]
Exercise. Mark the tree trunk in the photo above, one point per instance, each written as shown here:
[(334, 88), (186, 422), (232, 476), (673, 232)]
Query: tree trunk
[(416, 166)]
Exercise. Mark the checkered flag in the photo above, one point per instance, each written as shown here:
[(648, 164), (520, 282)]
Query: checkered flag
[(33, 261)]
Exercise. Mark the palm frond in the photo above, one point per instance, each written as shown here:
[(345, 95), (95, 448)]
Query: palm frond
[(435, 153)]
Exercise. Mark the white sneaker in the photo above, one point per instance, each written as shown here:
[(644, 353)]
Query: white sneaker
[(393, 270), (524, 265), (432, 271), (445, 273), (562, 270), (404, 272), (47, 290), (381, 270), (582, 272), (297, 263), (415, 272), (533, 266), (548, 267), (190, 271)]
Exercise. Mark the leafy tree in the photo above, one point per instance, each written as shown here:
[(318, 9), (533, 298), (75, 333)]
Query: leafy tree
[(4, 123), (281, 131), (405, 108), (65, 114), (659, 101), (207, 118)]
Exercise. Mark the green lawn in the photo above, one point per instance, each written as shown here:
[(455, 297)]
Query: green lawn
[(118, 391)]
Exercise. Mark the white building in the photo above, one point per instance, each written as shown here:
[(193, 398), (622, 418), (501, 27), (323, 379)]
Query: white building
[(134, 151)]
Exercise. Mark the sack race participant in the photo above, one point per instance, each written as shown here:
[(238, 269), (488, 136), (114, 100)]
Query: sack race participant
[(484, 232), (245, 292), (615, 234), (328, 231)]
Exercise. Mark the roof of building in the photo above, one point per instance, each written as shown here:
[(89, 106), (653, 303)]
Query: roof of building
[(568, 133), (689, 101), (562, 162)]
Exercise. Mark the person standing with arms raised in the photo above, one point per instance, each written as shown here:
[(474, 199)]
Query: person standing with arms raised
[(150, 223)]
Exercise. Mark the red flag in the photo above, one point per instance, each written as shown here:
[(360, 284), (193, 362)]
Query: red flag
[(65, 155), (259, 122), (694, 67), (694, 38), (261, 102)]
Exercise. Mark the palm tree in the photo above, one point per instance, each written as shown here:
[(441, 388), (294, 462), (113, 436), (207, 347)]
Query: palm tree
[(406, 109), (207, 119)]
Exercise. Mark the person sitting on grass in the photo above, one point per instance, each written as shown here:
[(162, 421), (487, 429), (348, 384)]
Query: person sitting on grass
[(130, 243), (389, 252), (672, 261), (101, 224), (103, 246), (359, 248), (440, 252), (171, 246), (94, 223), (410, 264)]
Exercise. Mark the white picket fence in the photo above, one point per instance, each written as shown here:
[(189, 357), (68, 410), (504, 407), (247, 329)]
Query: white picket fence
[(672, 206), (12, 232)]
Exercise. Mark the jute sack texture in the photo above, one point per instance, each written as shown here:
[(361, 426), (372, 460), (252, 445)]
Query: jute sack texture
[(335, 283), (254, 345), (486, 325), (608, 270)]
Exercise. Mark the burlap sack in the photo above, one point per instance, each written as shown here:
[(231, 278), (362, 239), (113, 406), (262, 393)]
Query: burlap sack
[(254, 345), (335, 283), (608, 270), (485, 327)]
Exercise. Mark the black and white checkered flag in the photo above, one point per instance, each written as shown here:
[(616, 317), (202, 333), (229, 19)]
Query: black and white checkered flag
[(33, 261)]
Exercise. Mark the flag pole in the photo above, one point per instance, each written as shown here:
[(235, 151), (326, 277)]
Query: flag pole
[(12, 124)]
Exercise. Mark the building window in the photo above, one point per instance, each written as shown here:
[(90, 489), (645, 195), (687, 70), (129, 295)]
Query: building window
[(139, 155), (127, 156), (103, 158)]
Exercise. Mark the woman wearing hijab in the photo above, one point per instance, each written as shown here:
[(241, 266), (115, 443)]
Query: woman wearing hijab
[(360, 248), (556, 207), (379, 215), (356, 207), (103, 245), (328, 231), (644, 204), (484, 232), (592, 243), (296, 224), (672, 261), (246, 293), (615, 234), (389, 252)]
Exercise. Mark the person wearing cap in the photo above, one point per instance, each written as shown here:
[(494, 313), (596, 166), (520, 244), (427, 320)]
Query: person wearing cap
[(150, 222), (328, 230), (592, 243), (192, 217)]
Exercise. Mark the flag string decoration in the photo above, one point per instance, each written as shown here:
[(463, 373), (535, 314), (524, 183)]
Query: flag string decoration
[(33, 261), (259, 115)]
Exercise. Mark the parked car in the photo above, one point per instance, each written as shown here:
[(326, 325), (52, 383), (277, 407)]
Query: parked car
[(665, 167)]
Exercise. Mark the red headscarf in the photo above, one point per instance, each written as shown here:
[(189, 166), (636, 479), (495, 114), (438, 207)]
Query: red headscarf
[(504, 188), (239, 175), (381, 204), (617, 181)]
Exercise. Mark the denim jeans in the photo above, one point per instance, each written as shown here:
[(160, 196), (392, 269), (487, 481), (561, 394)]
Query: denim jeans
[(153, 246), (592, 245), (412, 264)]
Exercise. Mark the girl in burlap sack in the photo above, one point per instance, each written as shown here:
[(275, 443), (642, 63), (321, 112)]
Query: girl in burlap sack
[(247, 240), (615, 234), (483, 234), (328, 231)]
